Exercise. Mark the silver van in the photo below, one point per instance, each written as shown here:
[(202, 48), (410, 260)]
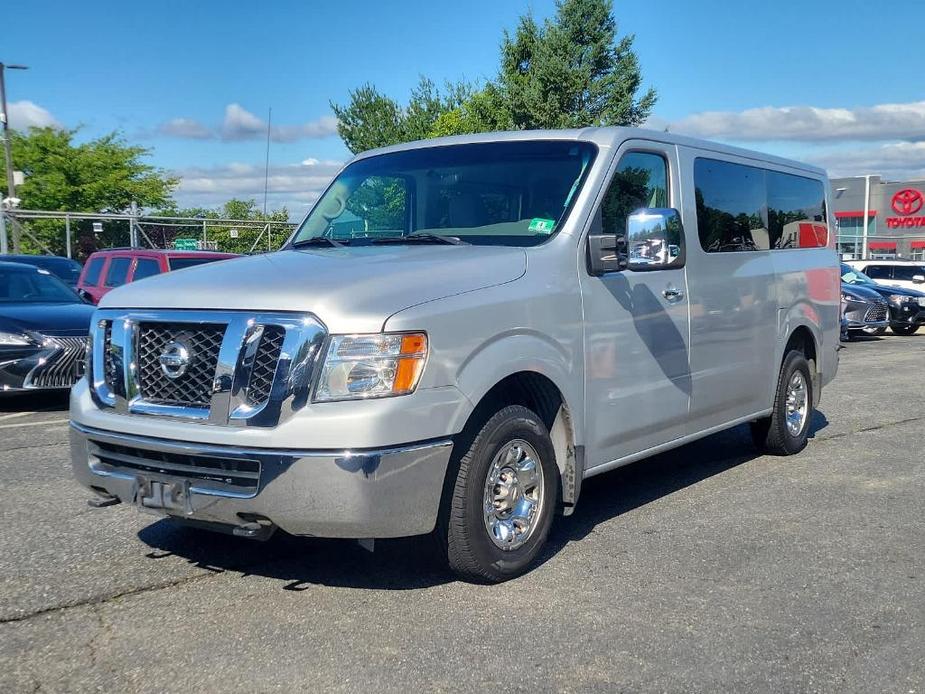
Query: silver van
[(460, 333)]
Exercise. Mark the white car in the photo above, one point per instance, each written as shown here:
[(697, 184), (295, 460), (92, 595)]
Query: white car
[(909, 274)]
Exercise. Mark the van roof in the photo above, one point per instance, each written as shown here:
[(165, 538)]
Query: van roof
[(601, 136)]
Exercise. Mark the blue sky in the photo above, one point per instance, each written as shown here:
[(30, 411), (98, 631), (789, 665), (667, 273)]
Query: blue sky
[(839, 83)]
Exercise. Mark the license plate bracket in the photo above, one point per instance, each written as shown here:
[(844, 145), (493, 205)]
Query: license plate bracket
[(160, 496)]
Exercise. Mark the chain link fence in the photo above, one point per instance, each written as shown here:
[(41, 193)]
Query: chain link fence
[(78, 234)]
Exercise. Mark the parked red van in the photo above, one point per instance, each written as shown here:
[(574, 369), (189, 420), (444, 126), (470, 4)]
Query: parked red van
[(105, 270)]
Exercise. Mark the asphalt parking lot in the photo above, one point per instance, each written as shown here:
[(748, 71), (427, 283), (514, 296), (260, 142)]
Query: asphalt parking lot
[(708, 568)]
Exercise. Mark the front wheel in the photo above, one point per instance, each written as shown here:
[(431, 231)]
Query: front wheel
[(903, 329), (500, 506), (786, 430)]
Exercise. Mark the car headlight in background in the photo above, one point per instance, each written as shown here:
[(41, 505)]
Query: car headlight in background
[(15, 340), (371, 366), (897, 298)]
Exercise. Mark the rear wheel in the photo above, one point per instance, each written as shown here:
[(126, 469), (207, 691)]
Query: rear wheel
[(900, 329), (786, 430), (499, 509)]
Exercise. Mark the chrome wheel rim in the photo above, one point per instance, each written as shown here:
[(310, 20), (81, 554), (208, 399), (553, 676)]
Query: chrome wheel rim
[(513, 498), (797, 404)]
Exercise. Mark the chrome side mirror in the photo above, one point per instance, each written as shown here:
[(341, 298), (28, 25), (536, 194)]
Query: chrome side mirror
[(918, 279), (654, 239)]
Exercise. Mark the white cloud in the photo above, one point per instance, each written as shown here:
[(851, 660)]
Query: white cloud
[(186, 128), (240, 124), (293, 185), (26, 114), (808, 123), (894, 161)]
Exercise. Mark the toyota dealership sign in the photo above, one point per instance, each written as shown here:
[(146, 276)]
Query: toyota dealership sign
[(906, 203)]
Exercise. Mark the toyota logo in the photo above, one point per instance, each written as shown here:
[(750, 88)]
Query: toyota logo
[(907, 201), (175, 359)]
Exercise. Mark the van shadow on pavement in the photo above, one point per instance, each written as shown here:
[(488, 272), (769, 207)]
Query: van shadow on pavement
[(410, 563)]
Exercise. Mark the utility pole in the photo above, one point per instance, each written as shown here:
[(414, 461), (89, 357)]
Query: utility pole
[(7, 151)]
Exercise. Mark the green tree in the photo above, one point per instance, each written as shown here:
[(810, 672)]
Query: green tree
[(102, 175), (571, 71)]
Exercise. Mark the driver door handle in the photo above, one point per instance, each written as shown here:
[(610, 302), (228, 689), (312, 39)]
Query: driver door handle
[(672, 294)]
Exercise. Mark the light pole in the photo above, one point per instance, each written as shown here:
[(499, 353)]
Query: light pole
[(7, 152)]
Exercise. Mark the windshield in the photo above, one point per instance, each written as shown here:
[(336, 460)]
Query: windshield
[(31, 286), (502, 193), (851, 276), (63, 268)]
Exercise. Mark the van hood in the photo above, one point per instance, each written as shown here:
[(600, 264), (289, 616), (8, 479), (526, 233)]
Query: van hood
[(349, 289)]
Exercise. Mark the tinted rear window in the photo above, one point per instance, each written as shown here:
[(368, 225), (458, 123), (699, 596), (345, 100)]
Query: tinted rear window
[(92, 277), (180, 263), (117, 272), (145, 267)]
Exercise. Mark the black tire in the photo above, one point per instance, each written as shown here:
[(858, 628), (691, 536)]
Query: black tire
[(461, 534), (771, 434), (901, 329), (874, 332)]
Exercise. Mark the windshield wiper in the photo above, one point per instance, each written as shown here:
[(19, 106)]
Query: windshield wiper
[(319, 241), (422, 237)]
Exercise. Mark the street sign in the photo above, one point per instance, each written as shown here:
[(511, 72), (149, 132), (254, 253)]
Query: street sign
[(186, 244), (97, 227), (233, 233)]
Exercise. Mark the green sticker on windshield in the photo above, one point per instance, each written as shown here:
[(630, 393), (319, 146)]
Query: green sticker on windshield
[(542, 226)]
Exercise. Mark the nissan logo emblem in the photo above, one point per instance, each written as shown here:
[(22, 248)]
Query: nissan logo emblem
[(175, 359)]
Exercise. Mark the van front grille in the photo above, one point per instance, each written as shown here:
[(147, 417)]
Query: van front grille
[(193, 388)]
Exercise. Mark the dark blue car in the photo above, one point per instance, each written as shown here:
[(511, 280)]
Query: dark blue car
[(43, 330)]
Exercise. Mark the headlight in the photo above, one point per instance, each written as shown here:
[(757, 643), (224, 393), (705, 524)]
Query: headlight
[(15, 340), (897, 298), (371, 366), (845, 298)]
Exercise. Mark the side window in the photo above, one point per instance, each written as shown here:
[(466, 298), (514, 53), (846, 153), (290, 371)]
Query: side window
[(641, 180), (731, 201), (879, 272), (145, 267), (907, 272), (117, 272), (796, 211), (92, 278)]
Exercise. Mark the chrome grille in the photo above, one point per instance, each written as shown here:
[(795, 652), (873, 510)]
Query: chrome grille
[(238, 474), (877, 312), (264, 369), (241, 368), (194, 387), (64, 367)]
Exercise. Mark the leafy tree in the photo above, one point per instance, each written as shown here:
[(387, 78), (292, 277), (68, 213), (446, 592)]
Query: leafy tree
[(101, 175), (571, 71)]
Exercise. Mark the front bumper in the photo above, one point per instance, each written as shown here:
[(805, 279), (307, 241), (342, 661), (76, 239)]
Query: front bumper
[(392, 492)]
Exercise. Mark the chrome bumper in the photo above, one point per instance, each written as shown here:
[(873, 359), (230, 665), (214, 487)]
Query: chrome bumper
[(349, 494)]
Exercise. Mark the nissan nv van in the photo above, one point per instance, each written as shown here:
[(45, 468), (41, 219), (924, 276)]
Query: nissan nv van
[(460, 333)]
